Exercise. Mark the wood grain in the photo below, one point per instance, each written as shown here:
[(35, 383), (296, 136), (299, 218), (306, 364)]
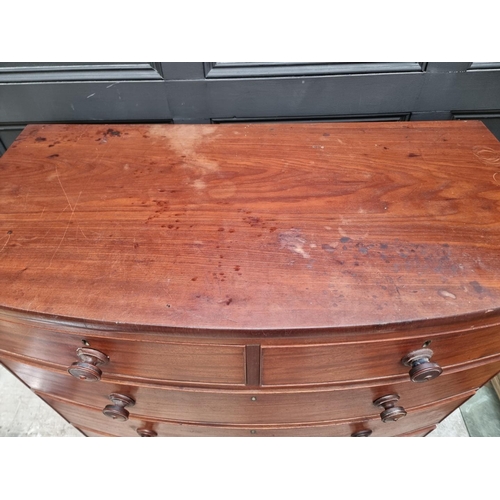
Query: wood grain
[(257, 407), (236, 365), (252, 363), (419, 432), (154, 361), (93, 423), (365, 360), (265, 226), (251, 279), (495, 382)]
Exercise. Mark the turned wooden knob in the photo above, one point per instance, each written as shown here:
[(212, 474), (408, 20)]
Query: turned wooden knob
[(362, 434), (117, 410), (86, 369), (391, 413), (421, 367), (144, 432)]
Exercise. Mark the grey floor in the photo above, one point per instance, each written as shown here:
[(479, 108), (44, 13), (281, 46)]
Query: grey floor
[(477, 417), (24, 414)]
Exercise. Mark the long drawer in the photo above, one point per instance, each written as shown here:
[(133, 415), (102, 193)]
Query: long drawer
[(169, 362), (331, 363), (90, 420), (418, 433), (245, 407)]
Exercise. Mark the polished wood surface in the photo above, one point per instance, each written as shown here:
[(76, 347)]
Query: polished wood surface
[(270, 279), (263, 226), (419, 432), (365, 360), (254, 407), (188, 362), (92, 422), (292, 433), (268, 365)]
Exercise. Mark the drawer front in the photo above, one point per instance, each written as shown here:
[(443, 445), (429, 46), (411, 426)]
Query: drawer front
[(244, 407), (91, 433), (419, 432), (332, 363), (93, 423), (170, 362)]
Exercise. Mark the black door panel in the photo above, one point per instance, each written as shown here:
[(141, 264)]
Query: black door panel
[(232, 91)]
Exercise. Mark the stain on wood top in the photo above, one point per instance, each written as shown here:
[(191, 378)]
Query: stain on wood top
[(261, 226)]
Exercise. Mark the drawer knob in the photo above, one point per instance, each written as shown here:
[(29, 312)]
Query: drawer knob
[(87, 369), (144, 432), (117, 410), (362, 434), (391, 413), (421, 367)]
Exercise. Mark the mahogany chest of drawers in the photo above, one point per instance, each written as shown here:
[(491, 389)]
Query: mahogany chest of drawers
[(251, 280)]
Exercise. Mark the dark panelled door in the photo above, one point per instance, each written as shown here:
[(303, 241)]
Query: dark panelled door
[(230, 91)]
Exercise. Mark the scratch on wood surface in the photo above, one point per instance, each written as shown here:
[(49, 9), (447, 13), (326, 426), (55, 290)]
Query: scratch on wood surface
[(65, 231), (218, 286), (42, 213), (85, 236), (189, 312), (79, 137), (64, 191), (495, 178), (8, 238), (26, 200), (486, 155)]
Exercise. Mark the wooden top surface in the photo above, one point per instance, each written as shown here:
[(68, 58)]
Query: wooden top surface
[(261, 226)]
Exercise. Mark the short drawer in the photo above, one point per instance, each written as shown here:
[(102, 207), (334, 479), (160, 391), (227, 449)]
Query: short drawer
[(245, 407), (169, 362), (355, 361), (93, 423)]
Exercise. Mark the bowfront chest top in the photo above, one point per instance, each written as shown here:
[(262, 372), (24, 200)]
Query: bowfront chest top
[(270, 279)]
